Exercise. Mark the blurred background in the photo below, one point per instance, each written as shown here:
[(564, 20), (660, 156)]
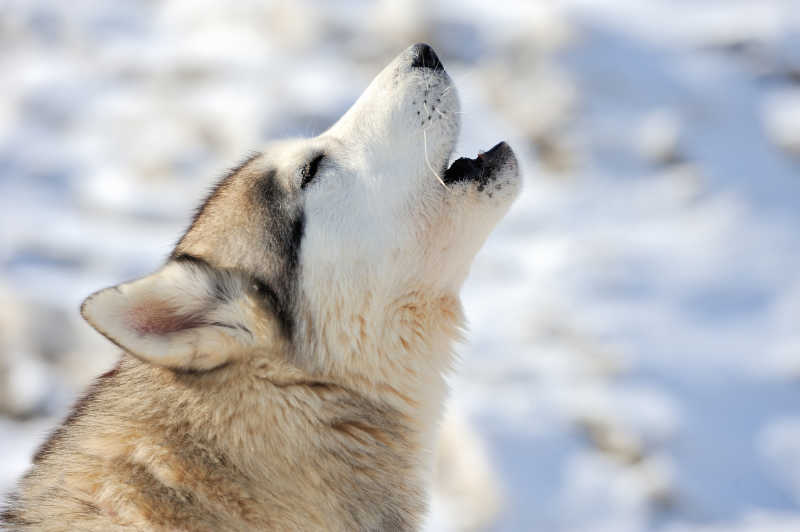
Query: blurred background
[(634, 356)]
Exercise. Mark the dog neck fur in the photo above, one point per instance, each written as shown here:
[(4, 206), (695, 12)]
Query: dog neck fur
[(393, 348)]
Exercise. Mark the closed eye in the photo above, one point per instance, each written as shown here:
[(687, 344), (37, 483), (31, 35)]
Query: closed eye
[(309, 171)]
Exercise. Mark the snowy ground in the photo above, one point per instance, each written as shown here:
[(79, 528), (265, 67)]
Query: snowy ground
[(634, 353)]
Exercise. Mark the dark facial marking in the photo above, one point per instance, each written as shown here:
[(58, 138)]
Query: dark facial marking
[(284, 226), (280, 293), (295, 240), (310, 170), (265, 292), (276, 303), (269, 191), (277, 208)]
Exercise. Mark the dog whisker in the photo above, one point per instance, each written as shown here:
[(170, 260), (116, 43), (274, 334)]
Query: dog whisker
[(427, 160)]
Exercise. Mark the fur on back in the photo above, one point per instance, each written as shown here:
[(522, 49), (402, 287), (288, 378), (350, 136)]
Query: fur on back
[(256, 446)]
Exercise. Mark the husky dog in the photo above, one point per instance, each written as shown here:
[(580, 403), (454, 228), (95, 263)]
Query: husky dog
[(284, 369)]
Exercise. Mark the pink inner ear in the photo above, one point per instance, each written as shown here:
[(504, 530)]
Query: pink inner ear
[(160, 318)]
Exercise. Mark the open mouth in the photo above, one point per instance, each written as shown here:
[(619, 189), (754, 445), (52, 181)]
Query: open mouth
[(482, 169)]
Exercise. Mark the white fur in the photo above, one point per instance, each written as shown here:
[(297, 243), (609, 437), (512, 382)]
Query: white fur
[(381, 227)]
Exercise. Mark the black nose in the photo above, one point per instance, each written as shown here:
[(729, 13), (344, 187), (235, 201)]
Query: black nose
[(423, 56)]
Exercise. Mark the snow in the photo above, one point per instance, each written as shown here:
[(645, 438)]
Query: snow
[(782, 119), (777, 446), (634, 347)]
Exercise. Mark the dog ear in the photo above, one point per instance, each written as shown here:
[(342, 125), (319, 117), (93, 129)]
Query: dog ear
[(181, 316)]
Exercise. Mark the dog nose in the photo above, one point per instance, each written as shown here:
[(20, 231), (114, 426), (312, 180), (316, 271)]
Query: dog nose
[(423, 56)]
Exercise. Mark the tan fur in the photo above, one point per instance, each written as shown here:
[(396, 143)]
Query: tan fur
[(269, 386), (256, 445)]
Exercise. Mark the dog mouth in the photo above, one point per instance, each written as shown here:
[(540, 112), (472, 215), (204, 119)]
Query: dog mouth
[(487, 165), (482, 169)]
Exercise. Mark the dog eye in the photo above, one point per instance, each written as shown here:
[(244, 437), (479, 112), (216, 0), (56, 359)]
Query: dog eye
[(310, 170)]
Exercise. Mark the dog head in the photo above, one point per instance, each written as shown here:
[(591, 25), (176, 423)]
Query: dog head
[(361, 217)]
